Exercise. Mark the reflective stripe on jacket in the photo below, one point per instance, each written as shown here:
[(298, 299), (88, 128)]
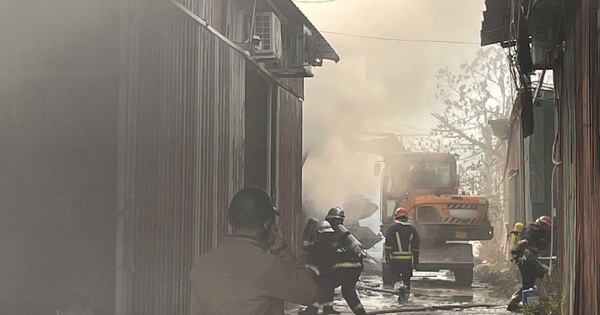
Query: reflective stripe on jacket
[(402, 243), (348, 264), (402, 254)]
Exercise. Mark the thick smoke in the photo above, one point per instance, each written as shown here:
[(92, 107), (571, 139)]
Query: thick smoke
[(378, 85)]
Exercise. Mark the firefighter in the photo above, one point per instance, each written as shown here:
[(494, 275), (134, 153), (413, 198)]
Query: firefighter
[(533, 239), (253, 271), (347, 260), (402, 252), (320, 255)]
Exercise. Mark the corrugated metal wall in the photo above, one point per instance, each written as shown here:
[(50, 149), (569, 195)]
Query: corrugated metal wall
[(182, 152), (187, 159), (587, 189), (289, 182), (579, 101)]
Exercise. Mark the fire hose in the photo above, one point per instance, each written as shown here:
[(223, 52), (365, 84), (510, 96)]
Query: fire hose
[(432, 308)]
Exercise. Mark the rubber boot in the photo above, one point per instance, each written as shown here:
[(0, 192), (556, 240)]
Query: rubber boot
[(515, 299), (402, 293), (359, 310), (311, 310), (512, 307), (328, 309)]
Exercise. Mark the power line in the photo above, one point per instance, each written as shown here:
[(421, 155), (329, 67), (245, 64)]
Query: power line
[(409, 126), (400, 39)]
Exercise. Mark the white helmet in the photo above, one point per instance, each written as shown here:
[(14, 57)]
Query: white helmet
[(324, 227)]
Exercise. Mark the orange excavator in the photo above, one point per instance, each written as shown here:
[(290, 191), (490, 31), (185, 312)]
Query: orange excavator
[(426, 184)]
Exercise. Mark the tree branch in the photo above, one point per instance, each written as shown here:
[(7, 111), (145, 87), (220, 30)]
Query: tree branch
[(459, 132)]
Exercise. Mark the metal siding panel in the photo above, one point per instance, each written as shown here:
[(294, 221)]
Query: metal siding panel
[(188, 152), (289, 148), (586, 100)]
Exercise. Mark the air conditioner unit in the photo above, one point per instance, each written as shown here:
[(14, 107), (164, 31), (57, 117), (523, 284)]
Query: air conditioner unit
[(268, 27), (298, 57)]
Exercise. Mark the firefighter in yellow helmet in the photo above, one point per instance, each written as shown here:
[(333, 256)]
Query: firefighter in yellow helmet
[(534, 238), (402, 252)]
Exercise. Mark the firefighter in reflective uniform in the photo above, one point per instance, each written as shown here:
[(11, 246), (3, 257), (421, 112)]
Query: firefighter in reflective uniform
[(348, 263), (320, 258), (402, 252), (534, 238)]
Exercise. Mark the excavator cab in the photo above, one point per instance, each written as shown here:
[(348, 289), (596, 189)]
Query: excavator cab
[(415, 173)]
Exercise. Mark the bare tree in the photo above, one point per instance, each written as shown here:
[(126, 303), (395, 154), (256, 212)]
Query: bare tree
[(480, 91)]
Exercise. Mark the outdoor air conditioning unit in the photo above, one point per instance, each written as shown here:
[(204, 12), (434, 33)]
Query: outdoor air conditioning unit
[(268, 27)]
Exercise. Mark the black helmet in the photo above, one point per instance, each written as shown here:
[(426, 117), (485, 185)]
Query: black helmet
[(335, 213), (251, 207)]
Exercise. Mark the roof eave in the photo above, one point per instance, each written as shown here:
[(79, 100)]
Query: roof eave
[(294, 14)]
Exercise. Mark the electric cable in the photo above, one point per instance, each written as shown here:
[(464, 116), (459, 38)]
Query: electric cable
[(400, 39)]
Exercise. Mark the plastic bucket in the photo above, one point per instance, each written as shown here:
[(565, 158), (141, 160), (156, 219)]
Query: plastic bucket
[(531, 296)]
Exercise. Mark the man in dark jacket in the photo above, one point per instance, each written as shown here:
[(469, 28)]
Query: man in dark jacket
[(402, 251), (534, 239), (253, 272)]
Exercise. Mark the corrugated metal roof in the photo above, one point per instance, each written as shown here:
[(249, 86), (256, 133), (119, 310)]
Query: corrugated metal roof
[(495, 27), (294, 15)]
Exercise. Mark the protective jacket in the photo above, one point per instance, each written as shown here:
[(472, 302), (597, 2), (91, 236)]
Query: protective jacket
[(241, 277), (402, 243), (345, 256), (533, 240), (321, 255)]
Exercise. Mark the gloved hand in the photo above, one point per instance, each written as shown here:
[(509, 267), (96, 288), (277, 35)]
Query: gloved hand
[(515, 252), (415, 263), (276, 241), (387, 257)]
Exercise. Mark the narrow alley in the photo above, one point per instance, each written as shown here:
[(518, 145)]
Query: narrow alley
[(241, 157)]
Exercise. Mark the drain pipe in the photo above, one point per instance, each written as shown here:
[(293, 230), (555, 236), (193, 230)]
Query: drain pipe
[(252, 23)]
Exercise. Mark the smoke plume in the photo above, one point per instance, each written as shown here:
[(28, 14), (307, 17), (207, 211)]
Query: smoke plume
[(379, 85)]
